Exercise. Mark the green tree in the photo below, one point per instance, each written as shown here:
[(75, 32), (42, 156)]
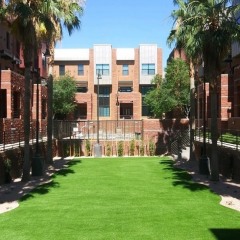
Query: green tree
[(33, 22), (178, 37), (64, 90), (209, 28), (172, 92)]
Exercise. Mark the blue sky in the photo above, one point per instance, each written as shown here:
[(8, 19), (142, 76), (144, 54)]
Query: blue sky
[(123, 23)]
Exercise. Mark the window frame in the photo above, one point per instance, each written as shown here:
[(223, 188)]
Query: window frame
[(61, 71), (80, 69), (104, 101), (145, 109), (148, 69), (125, 69), (103, 69)]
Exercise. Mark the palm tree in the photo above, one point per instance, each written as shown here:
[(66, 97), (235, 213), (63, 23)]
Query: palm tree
[(208, 28), (175, 34), (57, 12), (31, 22)]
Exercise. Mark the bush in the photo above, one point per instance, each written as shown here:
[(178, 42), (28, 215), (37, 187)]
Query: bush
[(151, 148), (108, 150), (141, 149), (88, 147), (7, 168), (132, 147), (120, 148)]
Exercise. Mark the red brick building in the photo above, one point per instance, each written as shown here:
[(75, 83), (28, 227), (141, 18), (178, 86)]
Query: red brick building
[(12, 85), (125, 77)]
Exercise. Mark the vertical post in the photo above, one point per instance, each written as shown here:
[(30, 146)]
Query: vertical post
[(49, 119), (98, 77), (37, 163), (97, 146), (47, 54), (37, 117), (203, 161), (117, 104), (204, 117)]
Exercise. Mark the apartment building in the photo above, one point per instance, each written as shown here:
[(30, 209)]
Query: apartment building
[(121, 76), (12, 88)]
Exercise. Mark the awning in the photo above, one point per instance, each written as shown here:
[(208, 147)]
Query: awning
[(81, 83), (125, 83)]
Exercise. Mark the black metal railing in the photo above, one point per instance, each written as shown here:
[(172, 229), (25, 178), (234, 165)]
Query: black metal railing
[(15, 138), (180, 139), (227, 138)]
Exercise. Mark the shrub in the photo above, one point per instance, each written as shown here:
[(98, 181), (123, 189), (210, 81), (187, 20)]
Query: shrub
[(108, 150), (151, 148), (132, 147), (88, 147), (141, 149), (7, 168), (7, 164), (120, 148)]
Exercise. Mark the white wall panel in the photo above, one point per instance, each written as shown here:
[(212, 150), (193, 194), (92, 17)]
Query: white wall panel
[(148, 54), (103, 55)]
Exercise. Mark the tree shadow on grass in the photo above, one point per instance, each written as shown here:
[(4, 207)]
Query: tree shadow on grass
[(65, 169), (63, 172), (45, 187), (40, 190), (181, 177), (226, 234)]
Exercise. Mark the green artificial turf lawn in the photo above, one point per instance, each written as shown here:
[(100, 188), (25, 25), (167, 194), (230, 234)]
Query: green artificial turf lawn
[(121, 198)]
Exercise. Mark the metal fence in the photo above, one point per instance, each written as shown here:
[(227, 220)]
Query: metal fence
[(124, 129), (15, 138), (227, 138)]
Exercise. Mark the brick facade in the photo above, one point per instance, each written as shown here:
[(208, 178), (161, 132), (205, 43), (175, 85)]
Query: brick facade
[(12, 88), (130, 103)]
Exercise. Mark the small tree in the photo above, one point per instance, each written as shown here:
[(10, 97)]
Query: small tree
[(64, 89), (171, 93), (152, 148), (120, 148), (132, 147), (88, 147), (141, 148), (108, 149)]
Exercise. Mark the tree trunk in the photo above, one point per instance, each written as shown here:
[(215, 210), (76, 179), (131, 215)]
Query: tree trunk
[(214, 165), (49, 120), (192, 113), (26, 119)]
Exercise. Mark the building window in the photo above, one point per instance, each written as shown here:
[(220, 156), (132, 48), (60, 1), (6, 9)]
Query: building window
[(102, 69), (238, 102), (3, 101), (18, 49), (148, 69), (80, 70), (7, 40), (125, 89), (61, 70), (44, 108), (104, 101), (16, 105), (80, 111), (82, 89), (125, 69), (145, 109)]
